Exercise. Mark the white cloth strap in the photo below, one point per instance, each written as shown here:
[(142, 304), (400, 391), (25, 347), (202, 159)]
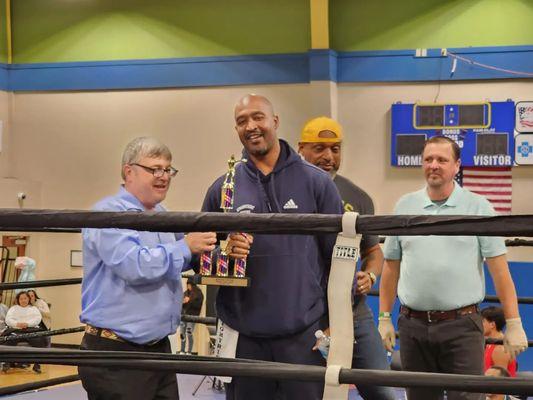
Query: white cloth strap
[(349, 220), (341, 277), (225, 345), (332, 375)]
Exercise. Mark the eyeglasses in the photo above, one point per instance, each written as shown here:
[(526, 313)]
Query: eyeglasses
[(159, 172)]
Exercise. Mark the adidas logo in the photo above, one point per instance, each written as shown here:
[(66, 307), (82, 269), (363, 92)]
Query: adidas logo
[(290, 205)]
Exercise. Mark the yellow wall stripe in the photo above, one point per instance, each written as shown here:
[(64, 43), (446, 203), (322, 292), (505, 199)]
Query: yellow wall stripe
[(8, 32), (319, 24)]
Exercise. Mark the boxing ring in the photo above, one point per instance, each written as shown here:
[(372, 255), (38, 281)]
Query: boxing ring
[(336, 375)]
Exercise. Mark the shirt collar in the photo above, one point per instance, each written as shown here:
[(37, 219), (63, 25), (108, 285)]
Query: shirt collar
[(133, 203), (452, 201)]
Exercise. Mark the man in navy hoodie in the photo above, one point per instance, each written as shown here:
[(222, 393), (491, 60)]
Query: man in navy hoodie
[(278, 315)]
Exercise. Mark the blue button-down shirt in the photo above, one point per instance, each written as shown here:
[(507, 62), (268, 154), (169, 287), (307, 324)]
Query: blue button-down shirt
[(132, 280)]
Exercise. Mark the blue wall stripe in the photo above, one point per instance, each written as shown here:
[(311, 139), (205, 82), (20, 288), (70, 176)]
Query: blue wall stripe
[(323, 65), (402, 66), (315, 65), (136, 74), (4, 77)]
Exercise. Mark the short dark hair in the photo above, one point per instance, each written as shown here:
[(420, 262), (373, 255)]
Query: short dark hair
[(503, 372), (494, 314), (456, 150), (17, 297)]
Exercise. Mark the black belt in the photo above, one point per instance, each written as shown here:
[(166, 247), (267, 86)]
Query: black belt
[(436, 316)]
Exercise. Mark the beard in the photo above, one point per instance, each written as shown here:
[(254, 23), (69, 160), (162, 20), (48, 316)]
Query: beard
[(260, 152)]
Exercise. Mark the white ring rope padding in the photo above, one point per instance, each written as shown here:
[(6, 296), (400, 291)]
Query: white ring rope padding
[(332, 375), (349, 221), (342, 273)]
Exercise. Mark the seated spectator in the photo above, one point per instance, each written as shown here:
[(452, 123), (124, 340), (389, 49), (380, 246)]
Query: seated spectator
[(3, 312), (192, 305), (24, 318), (502, 372), (42, 305), (495, 355)]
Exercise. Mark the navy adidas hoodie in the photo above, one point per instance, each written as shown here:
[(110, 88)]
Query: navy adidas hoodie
[(289, 272)]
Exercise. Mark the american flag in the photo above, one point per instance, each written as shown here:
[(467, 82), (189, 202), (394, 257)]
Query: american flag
[(496, 184)]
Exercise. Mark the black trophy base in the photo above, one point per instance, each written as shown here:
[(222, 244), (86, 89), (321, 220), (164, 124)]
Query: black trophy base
[(214, 280)]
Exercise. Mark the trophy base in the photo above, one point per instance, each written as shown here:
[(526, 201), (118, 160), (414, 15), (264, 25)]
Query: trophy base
[(214, 280)]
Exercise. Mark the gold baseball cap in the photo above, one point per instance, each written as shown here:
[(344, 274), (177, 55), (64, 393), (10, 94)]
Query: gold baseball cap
[(313, 128)]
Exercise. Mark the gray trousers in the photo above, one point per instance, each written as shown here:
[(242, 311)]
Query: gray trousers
[(453, 346)]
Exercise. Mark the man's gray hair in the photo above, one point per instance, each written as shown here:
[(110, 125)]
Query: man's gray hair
[(144, 147)]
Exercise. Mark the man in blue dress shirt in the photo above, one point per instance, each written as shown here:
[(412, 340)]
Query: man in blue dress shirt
[(131, 290)]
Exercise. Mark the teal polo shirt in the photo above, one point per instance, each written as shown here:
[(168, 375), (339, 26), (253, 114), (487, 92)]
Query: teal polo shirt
[(442, 272)]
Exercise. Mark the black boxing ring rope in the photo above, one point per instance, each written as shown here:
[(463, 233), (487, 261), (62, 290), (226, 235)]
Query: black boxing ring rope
[(77, 281), (185, 318), (32, 386), (41, 283), (458, 225), (269, 370), (68, 220), (487, 299), (66, 331), (43, 333), (516, 242)]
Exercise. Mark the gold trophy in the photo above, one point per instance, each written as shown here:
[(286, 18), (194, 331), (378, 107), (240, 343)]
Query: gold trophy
[(223, 262)]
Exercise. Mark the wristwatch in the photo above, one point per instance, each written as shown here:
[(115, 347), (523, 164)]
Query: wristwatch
[(372, 277)]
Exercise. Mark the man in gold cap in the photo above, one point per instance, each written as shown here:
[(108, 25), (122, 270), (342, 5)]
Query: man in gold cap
[(320, 144)]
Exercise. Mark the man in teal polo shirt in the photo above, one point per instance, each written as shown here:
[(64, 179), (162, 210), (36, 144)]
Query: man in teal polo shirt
[(439, 280)]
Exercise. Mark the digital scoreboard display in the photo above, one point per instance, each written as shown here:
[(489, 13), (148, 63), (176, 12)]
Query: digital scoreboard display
[(492, 144), (441, 116), (430, 116), (484, 131), (410, 145)]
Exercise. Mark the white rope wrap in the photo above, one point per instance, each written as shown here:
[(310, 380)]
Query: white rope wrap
[(349, 220), (343, 265), (332, 375)]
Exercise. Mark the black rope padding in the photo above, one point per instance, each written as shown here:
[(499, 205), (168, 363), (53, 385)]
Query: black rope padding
[(65, 331), (516, 242), (77, 281), (53, 353), (32, 335), (25, 387), (487, 299), (500, 341), (489, 341), (41, 283), (37, 229), (521, 300), (199, 320), (281, 371), (50, 220)]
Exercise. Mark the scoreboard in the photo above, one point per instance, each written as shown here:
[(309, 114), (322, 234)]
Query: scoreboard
[(484, 131)]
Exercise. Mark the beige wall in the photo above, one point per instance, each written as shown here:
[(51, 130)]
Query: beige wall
[(65, 148), (72, 144)]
